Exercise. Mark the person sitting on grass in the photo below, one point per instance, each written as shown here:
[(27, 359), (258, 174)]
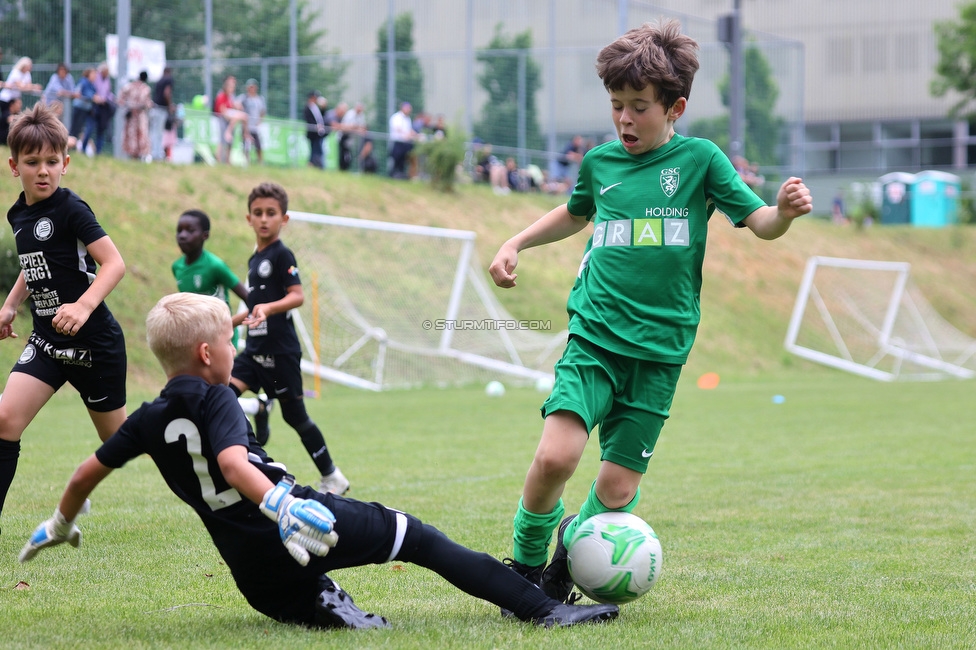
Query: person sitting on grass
[(279, 540)]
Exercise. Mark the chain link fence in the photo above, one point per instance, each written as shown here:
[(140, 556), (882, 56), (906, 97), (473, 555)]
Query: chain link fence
[(518, 74)]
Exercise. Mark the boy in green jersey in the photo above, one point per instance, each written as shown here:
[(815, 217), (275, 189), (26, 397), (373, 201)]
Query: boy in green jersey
[(200, 271), (634, 308)]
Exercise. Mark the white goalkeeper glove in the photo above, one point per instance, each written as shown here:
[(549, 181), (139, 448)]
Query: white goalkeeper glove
[(52, 532), (305, 525)]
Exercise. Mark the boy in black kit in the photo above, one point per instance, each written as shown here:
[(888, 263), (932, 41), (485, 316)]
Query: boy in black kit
[(75, 338), (272, 356), (278, 539)]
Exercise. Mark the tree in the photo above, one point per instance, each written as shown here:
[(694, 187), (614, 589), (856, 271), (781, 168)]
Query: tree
[(763, 128), (500, 77), (956, 69), (407, 73), (258, 29)]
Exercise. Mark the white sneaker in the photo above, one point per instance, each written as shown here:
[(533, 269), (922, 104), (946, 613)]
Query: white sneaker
[(336, 483)]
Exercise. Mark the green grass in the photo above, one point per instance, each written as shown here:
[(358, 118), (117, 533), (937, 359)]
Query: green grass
[(842, 518)]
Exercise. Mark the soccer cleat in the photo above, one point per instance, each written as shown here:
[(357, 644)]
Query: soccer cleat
[(262, 430), (556, 581), (565, 615), (336, 483), (531, 573), (335, 609)]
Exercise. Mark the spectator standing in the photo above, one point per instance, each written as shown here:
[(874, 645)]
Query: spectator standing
[(60, 87), (18, 81), (315, 129), (162, 113), (81, 105), (256, 108), (103, 108), (136, 100), (402, 136), (353, 134)]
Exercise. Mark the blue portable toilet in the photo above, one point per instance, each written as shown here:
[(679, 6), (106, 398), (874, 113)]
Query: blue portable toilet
[(935, 199), (896, 197)]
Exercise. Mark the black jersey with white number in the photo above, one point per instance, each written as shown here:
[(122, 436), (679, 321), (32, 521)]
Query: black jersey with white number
[(51, 237), (183, 430), (269, 274)]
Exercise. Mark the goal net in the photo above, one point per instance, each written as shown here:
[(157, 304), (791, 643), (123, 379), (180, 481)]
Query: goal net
[(868, 318), (393, 305)]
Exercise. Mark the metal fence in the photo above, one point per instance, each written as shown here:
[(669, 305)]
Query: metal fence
[(442, 55)]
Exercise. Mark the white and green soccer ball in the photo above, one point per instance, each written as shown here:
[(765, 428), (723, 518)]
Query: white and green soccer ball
[(614, 557)]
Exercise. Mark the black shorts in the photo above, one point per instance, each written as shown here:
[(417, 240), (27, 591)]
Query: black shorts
[(96, 368), (277, 586), (279, 375)]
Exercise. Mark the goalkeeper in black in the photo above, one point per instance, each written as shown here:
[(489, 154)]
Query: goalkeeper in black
[(279, 540)]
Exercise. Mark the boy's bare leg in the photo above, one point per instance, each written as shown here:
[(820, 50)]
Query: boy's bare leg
[(564, 437), (108, 422)]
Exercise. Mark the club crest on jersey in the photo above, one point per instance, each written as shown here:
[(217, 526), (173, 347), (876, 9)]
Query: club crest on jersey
[(43, 229), (264, 269), (669, 180)]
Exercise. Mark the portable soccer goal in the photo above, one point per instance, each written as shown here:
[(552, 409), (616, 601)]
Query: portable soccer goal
[(392, 305), (868, 318)]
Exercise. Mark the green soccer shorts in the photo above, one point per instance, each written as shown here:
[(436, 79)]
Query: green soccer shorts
[(628, 398)]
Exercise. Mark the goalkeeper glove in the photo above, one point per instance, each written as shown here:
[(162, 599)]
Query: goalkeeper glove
[(305, 525), (52, 532)]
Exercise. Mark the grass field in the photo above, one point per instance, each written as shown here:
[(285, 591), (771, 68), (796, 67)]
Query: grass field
[(843, 517)]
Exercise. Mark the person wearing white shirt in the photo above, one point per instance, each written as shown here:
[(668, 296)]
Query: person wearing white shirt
[(402, 136)]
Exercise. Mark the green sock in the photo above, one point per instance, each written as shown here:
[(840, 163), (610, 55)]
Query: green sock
[(532, 534), (593, 506)]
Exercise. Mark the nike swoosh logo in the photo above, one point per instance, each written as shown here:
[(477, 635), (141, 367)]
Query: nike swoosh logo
[(279, 391), (604, 190), (647, 454), (95, 401)]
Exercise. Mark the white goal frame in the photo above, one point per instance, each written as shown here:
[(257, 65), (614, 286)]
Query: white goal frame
[(900, 300), (466, 275)]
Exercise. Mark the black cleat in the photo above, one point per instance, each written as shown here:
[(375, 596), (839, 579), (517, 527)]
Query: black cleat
[(565, 615), (335, 609), (262, 429), (531, 573), (556, 581)]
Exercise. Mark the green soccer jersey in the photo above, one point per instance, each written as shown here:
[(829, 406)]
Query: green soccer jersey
[(208, 275), (638, 289)]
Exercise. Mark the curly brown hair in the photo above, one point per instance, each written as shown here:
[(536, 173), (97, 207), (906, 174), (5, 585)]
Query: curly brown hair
[(655, 54)]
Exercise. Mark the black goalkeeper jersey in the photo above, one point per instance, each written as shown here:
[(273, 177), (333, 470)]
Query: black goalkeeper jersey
[(183, 430)]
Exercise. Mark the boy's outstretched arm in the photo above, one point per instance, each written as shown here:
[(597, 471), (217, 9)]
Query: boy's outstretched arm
[(557, 224), (793, 200), (18, 294), (304, 525), (111, 268), (61, 526)]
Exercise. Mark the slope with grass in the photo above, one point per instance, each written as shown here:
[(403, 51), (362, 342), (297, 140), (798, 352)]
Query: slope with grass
[(750, 285)]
